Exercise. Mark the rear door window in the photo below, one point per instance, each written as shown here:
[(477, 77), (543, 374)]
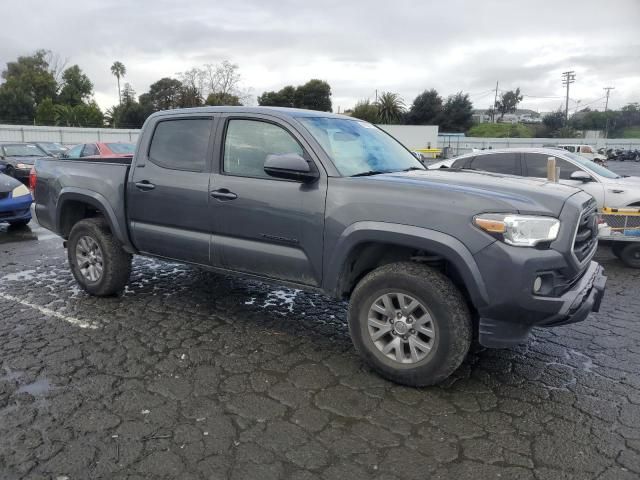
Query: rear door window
[(506, 163), (181, 144), (89, 150)]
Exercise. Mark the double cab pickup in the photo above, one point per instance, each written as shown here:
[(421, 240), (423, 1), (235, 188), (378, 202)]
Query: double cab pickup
[(428, 259)]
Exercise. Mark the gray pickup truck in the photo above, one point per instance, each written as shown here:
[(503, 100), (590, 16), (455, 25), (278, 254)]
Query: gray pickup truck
[(427, 259)]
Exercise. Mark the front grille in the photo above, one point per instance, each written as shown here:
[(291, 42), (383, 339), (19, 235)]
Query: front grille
[(586, 238)]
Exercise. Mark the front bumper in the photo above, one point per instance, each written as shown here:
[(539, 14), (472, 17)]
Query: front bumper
[(514, 309), (15, 209)]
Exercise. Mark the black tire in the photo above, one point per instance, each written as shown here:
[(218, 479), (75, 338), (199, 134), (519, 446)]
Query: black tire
[(19, 223), (617, 247), (116, 263), (449, 314), (630, 255)]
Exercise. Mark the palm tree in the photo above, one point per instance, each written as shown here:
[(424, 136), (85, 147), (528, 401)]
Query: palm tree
[(390, 107), (119, 70)]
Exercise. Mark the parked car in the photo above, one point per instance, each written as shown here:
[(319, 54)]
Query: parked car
[(15, 201), (586, 151), (54, 149), (335, 205), (442, 164), (608, 188), (100, 149), (18, 158)]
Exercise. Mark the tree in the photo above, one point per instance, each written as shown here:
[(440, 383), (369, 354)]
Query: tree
[(83, 115), (314, 95), (223, 78), (119, 70), (457, 113), (286, 97), (426, 109), (365, 110), (76, 87), (390, 107), (217, 99), (508, 102), (554, 120), (27, 82), (46, 113), (162, 95), (128, 94)]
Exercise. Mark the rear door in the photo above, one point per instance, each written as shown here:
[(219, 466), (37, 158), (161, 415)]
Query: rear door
[(507, 163), (168, 194), (264, 225)]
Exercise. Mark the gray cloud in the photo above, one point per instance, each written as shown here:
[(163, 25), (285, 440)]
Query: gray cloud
[(358, 46)]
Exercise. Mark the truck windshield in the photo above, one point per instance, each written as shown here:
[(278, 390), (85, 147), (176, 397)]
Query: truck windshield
[(359, 148), (594, 167)]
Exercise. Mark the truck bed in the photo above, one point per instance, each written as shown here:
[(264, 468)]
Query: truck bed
[(102, 180)]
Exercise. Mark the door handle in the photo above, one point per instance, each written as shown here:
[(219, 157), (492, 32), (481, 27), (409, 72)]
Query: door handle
[(145, 185), (223, 194)]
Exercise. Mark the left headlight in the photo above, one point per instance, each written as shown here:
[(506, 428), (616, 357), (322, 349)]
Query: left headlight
[(20, 191), (519, 230)]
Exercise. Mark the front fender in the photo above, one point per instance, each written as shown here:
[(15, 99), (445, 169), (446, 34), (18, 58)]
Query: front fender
[(433, 241), (99, 202)]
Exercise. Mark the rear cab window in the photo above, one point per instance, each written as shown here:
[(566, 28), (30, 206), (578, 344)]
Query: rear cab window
[(181, 144)]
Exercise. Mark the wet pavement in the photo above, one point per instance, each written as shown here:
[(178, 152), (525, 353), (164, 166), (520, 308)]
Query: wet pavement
[(193, 375)]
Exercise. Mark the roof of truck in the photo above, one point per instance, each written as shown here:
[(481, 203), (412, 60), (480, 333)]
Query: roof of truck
[(282, 112)]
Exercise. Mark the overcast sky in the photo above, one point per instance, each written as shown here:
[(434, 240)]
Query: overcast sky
[(358, 46)]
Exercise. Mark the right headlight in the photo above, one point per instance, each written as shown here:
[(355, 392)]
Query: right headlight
[(519, 230), (20, 191)]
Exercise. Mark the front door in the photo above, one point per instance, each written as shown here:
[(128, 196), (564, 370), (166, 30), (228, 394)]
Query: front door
[(168, 195), (536, 166), (263, 225)]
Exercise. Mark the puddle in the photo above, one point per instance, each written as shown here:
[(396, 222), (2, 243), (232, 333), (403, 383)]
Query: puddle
[(39, 387)]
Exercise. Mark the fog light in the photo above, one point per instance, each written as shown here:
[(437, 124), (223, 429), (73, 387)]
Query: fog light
[(537, 284)]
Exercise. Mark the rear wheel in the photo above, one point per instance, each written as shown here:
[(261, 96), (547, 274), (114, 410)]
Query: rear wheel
[(630, 255), (410, 323), (616, 248), (97, 260)]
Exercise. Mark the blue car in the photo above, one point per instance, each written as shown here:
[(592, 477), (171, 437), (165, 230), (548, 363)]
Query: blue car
[(15, 201)]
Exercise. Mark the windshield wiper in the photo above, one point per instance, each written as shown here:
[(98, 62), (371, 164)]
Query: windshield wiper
[(413, 168), (369, 173)]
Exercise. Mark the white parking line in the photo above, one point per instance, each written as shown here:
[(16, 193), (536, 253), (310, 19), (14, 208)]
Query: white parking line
[(50, 313)]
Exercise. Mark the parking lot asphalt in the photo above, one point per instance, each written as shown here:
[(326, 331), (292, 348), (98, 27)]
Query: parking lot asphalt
[(195, 375)]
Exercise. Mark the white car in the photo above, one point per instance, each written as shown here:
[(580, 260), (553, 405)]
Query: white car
[(608, 188)]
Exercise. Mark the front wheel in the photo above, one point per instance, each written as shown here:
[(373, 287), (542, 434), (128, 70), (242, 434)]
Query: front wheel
[(20, 223), (97, 260), (410, 323)]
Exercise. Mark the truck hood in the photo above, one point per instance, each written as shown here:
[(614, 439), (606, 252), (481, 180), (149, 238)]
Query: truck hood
[(525, 195), (624, 181)]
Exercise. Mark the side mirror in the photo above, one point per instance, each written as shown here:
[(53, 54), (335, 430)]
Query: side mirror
[(290, 166), (581, 176)]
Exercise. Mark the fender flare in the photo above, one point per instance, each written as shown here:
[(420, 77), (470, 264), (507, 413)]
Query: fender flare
[(446, 246), (99, 202)]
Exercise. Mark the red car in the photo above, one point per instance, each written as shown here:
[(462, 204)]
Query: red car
[(101, 149)]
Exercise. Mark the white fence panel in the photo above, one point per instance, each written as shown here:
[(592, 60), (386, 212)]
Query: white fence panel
[(65, 135)]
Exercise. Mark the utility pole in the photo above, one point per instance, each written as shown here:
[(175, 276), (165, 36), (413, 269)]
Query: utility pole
[(495, 104), (567, 79), (606, 106)]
